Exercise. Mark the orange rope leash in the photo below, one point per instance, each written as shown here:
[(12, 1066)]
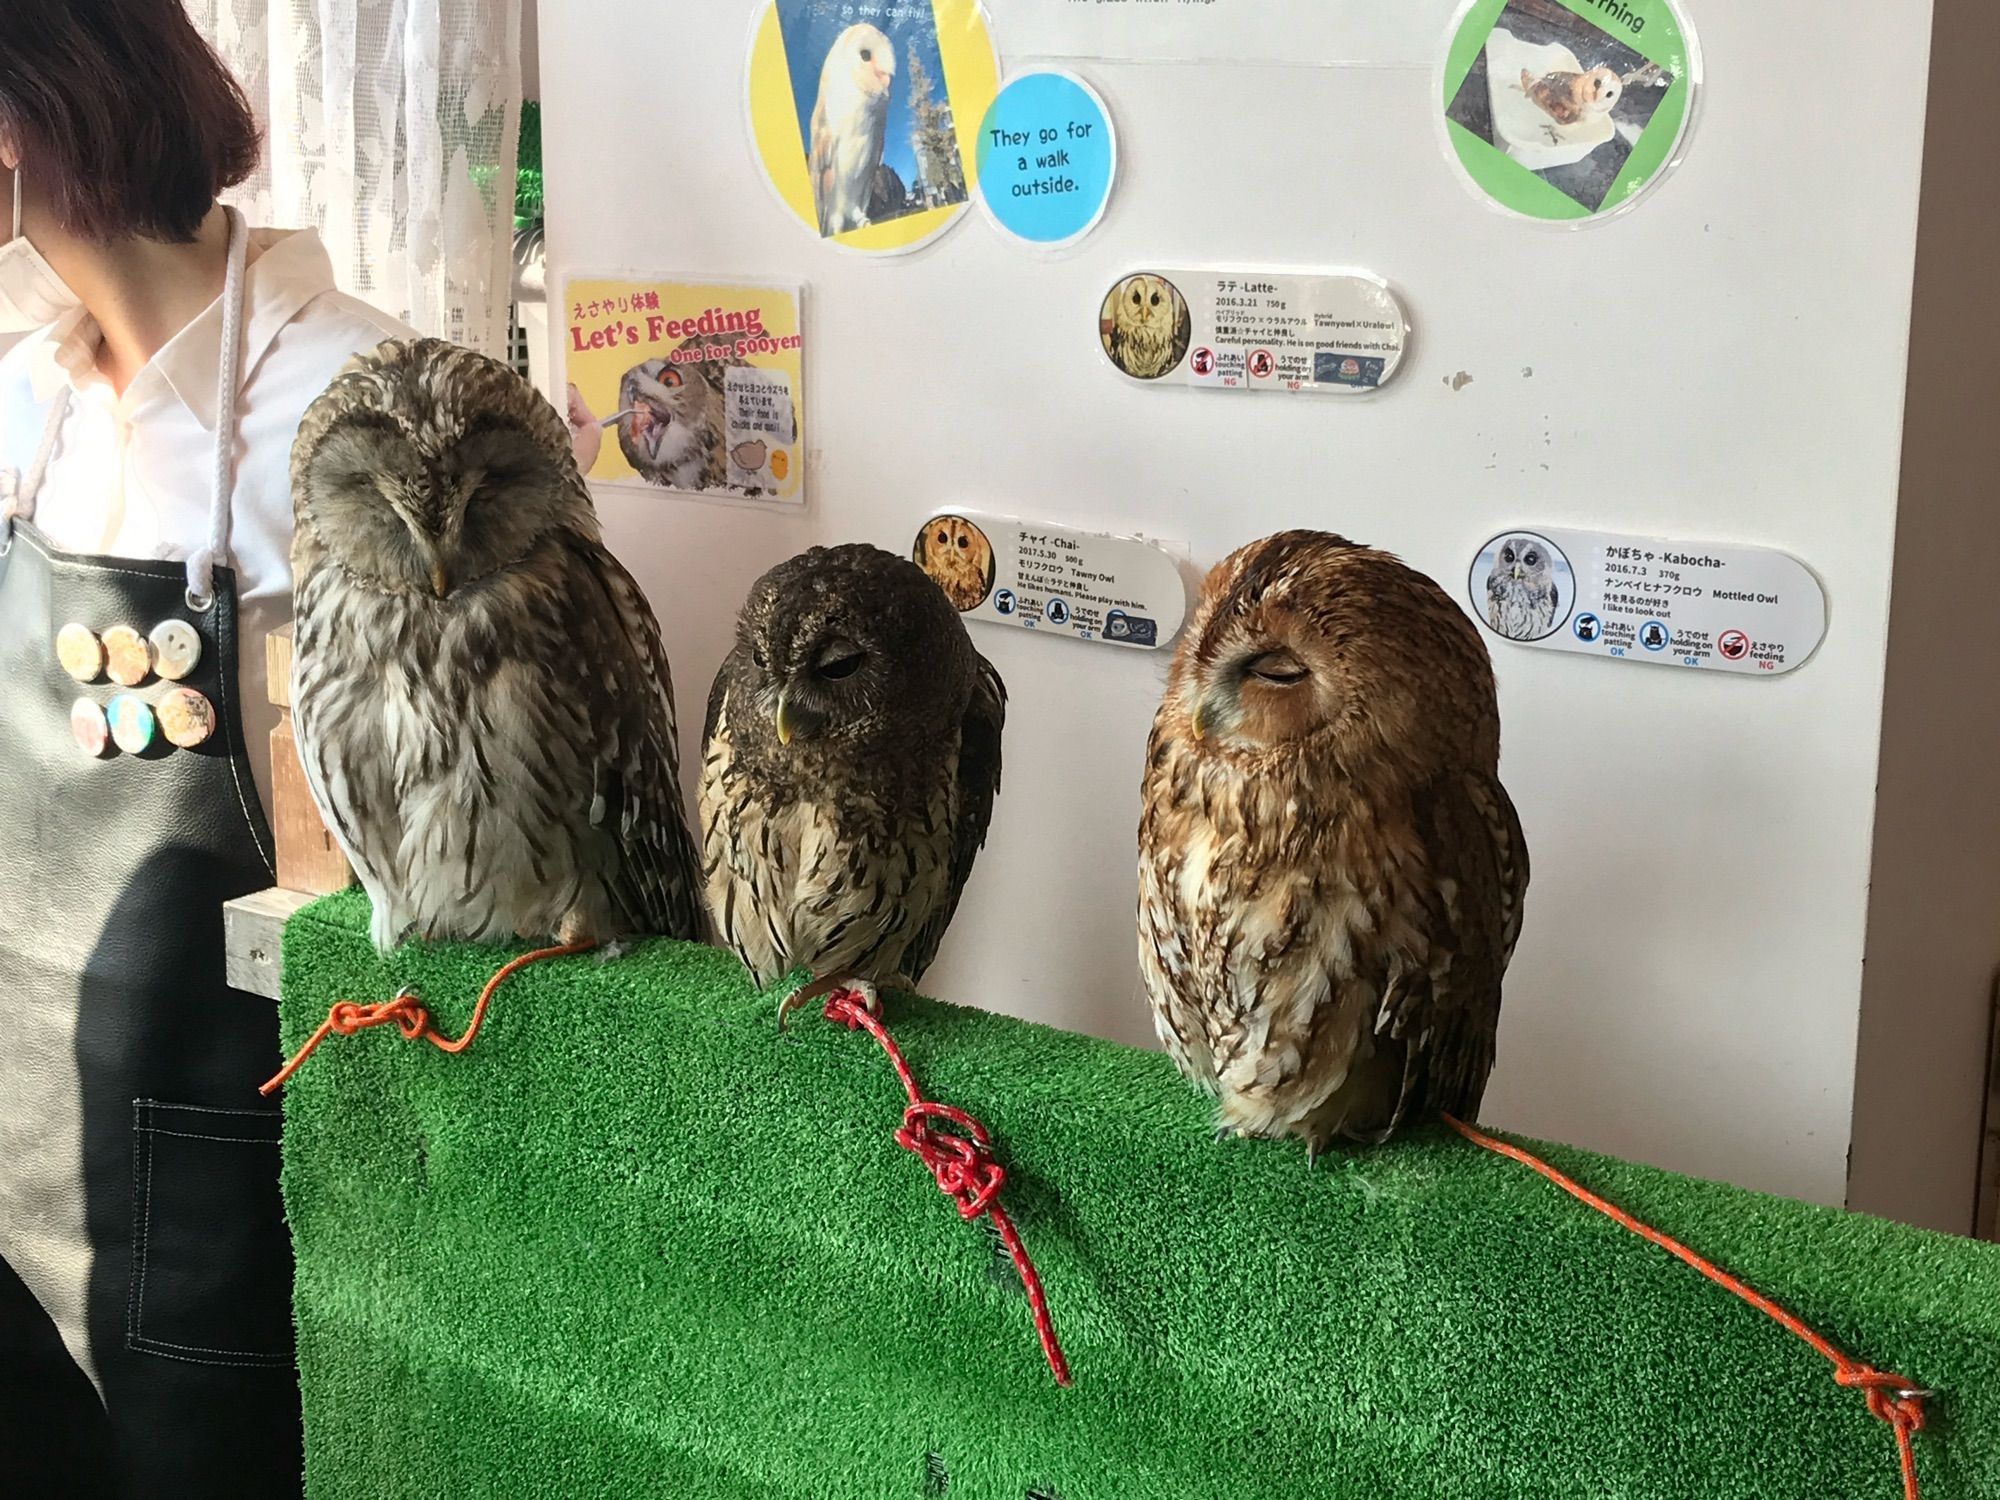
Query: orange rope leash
[(407, 1014), (1890, 1397)]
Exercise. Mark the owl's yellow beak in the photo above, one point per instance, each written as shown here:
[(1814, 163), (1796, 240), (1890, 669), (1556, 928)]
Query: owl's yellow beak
[(1212, 709), (440, 579), (797, 717)]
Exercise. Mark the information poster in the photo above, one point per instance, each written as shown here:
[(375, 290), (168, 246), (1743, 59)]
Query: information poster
[(1254, 330), (865, 114), (687, 386), (1120, 590), (1568, 110), (1312, 32), (1709, 605)]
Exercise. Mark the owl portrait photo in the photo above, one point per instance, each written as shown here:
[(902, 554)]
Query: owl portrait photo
[(959, 557), (1529, 587), (1330, 873), (1558, 97), (1145, 325), (875, 112), (1567, 97), (672, 423), (673, 426)]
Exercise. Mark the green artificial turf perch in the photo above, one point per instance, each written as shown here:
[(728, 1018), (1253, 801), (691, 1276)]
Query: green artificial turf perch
[(636, 1243)]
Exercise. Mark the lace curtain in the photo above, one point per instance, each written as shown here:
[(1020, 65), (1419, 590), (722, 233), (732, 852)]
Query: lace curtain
[(391, 126)]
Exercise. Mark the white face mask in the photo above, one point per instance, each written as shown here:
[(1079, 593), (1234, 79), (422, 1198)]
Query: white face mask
[(31, 294)]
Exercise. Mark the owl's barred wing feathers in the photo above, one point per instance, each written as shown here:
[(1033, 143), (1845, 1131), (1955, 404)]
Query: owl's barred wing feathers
[(978, 786), (1448, 1016), (628, 693)]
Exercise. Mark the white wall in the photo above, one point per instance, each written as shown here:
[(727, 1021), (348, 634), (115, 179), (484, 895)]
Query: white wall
[(1723, 364)]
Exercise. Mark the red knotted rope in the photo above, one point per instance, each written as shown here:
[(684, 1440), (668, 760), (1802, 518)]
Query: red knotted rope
[(1890, 1397), (407, 1014), (961, 1164)]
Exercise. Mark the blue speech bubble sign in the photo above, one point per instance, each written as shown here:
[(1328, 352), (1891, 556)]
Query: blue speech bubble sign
[(1047, 158)]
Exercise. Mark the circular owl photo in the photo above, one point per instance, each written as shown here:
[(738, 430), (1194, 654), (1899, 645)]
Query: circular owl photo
[(854, 113), (1523, 586), (1543, 99), (1145, 326), (958, 556)]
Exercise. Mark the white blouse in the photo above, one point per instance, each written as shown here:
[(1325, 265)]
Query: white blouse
[(132, 474)]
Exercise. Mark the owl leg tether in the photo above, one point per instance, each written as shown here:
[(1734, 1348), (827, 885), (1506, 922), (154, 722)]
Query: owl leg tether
[(960, 1160), (1890, 1397), (408, 1015), (862, 989)]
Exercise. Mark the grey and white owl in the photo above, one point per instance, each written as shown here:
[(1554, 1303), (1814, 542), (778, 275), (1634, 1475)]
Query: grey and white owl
[(849, 123), (481, 699), (853, 757), (1522, 600)]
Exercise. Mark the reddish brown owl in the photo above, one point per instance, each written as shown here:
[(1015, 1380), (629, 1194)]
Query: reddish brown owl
[(1330, 873)]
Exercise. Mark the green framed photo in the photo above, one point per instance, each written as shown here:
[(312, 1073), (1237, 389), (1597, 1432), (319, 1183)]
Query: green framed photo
[(1568, 110)]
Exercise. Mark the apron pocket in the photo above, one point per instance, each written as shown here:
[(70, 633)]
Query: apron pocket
[(211, 1259)]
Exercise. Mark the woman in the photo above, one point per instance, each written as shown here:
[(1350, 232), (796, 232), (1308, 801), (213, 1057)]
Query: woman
[(145, 433)]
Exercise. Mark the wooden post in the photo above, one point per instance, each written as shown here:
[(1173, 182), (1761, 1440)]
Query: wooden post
[(254, 939), (309, 860), (1986, 1206)]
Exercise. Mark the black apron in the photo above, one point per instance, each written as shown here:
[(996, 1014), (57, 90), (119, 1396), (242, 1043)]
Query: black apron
[(145, 1271)]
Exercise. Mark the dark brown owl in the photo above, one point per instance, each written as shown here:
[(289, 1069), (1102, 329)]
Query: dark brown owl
[(853, 755), (1330, 873)]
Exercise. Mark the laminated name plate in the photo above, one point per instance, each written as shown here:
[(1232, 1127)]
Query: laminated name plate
[(1120, 590), (1709, 605), (1254, 330)]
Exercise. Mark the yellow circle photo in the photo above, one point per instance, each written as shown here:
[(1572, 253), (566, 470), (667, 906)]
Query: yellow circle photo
[(866, 114)]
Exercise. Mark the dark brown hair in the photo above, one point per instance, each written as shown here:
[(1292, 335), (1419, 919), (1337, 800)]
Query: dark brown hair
[(122, 114)]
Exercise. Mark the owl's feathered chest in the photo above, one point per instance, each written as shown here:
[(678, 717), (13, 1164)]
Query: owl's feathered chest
[(460, 786), (1145, 346), (1265, 899), (812, 863)]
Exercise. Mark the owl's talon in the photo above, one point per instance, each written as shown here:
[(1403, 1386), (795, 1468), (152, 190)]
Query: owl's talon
[(803, 996), (866, 993), (862, 989), (789, 1004)]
